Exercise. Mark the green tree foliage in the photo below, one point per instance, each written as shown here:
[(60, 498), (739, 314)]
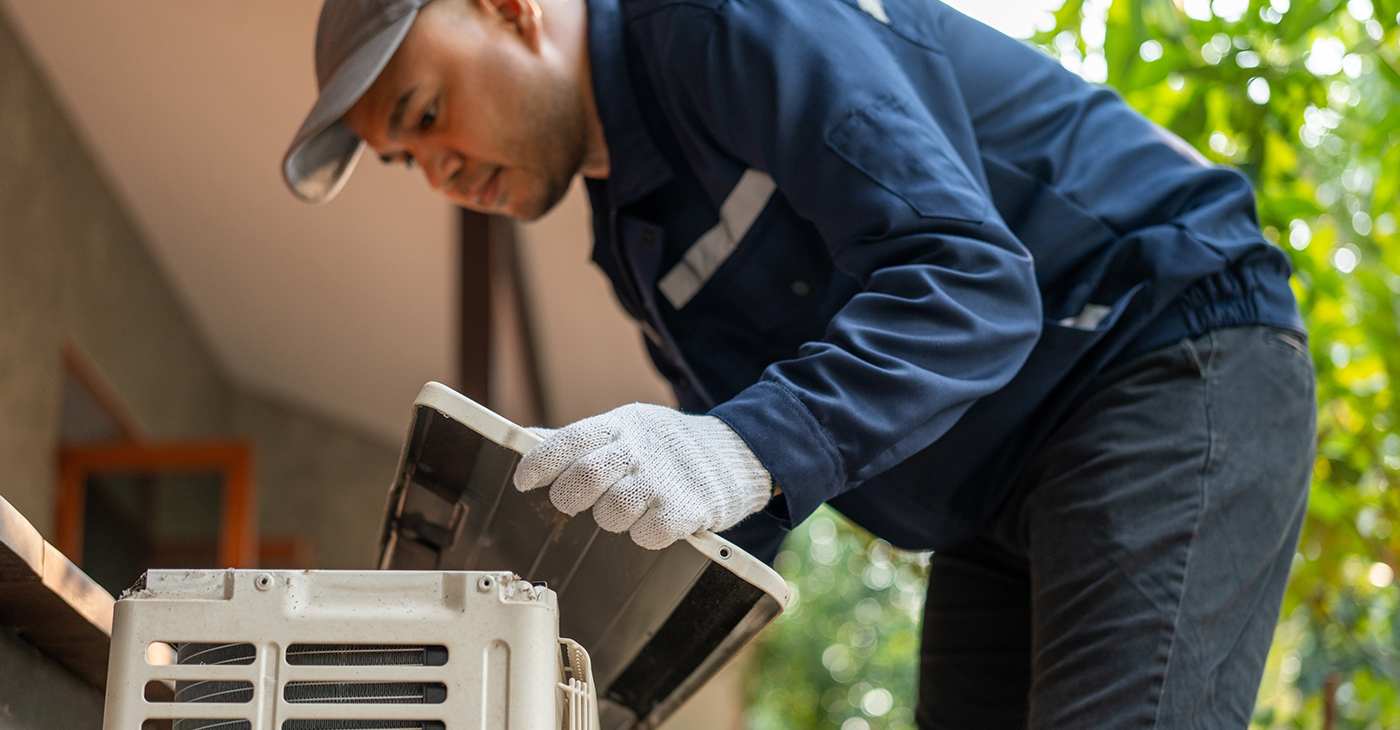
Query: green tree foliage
[(1304, 97), (844, 654)]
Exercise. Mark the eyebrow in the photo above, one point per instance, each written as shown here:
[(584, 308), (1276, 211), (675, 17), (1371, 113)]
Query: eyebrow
[(400, 108)]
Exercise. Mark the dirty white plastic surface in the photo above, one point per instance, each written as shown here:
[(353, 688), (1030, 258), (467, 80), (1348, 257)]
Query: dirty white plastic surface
[(504, 665)]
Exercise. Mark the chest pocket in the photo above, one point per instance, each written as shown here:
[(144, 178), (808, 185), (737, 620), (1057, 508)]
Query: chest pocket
[(911, 158)]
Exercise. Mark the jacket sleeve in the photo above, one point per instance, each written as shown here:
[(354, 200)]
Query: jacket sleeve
[(865, 149)]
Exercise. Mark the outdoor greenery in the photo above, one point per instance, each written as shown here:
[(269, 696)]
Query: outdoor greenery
[(844, 654), (1304, 97)]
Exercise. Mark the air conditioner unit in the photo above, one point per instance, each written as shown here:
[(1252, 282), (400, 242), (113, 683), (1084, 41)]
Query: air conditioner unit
[(460, 629), (342, 650)]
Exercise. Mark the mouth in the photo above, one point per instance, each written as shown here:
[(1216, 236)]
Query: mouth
[(488, 193)]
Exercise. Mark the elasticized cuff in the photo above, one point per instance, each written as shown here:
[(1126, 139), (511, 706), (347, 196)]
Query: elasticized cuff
[(790, 443)]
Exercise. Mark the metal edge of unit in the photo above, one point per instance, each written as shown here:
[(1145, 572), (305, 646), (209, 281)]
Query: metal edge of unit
[(388, 536), (742, 564), (477, 417)]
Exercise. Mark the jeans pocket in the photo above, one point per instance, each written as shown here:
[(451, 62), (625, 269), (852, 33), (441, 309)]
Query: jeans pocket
[(1289, 340)]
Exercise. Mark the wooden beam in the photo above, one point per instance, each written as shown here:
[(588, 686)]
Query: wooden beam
[(50, 602), (508, 274), (474, 366), (496, 324)]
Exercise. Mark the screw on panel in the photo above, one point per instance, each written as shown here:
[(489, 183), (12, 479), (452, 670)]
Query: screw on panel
[(724, 553), (263, 582), (485, 584)]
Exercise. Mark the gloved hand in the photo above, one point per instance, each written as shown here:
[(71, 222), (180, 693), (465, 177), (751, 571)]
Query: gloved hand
[(540, 432), (652, 470)]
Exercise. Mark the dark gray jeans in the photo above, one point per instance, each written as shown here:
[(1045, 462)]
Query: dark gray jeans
[(1134, 579)]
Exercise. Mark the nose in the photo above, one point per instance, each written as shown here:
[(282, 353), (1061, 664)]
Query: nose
[(441, 166)]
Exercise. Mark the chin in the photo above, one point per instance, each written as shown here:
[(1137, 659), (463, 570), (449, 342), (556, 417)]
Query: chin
[(463, 201), (529, 204), (532, 212), (523, 202), (544, 197)]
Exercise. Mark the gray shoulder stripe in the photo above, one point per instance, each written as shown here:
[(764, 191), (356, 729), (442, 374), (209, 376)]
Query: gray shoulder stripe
[(736, 215)]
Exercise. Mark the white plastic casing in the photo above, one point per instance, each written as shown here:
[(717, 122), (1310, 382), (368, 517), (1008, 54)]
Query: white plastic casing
[(504, 666)]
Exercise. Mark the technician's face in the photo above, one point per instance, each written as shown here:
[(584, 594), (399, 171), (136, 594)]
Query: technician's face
[(469, 98)]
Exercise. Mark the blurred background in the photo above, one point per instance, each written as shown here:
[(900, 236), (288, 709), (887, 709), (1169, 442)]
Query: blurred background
[(177, 325)]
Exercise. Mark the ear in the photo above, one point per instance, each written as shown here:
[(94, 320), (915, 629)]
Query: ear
[(523, 16)]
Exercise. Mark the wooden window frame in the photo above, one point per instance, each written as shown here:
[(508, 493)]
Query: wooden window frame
[(238, 524)]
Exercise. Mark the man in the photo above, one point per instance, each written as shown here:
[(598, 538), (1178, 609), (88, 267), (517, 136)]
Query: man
[(892, 260)]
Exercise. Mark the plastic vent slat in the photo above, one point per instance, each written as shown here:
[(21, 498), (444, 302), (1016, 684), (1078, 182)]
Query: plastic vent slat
[(216, 654), (207, 691), (212, 725), (363, 725), (365, 655), (384, 693)]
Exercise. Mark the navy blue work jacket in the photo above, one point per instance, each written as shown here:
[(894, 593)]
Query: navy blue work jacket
[(889, 246)]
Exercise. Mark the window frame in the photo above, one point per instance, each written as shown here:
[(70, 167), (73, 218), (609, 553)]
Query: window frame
[(233, 460)]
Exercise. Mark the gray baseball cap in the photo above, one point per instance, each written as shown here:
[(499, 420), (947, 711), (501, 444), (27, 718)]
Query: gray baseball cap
[(354, 41)]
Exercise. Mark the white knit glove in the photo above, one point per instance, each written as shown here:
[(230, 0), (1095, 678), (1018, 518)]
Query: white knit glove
[(652, 470)]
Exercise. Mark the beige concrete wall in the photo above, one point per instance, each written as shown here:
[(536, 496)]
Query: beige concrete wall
[(75, 269), (319, 478), (30, 682)]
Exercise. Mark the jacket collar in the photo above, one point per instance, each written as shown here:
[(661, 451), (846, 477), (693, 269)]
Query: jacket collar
[(636, 168)]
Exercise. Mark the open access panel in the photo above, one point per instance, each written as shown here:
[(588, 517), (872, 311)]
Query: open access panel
[(658, 624)]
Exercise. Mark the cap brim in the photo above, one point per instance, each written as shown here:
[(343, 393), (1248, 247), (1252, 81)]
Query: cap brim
[(325, 151)]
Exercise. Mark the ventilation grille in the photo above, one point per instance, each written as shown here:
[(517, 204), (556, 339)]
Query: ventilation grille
[(365, 655), (314, 692), (367, 693), (343, 650), (361, 725), (201, 725), (578, 699)]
